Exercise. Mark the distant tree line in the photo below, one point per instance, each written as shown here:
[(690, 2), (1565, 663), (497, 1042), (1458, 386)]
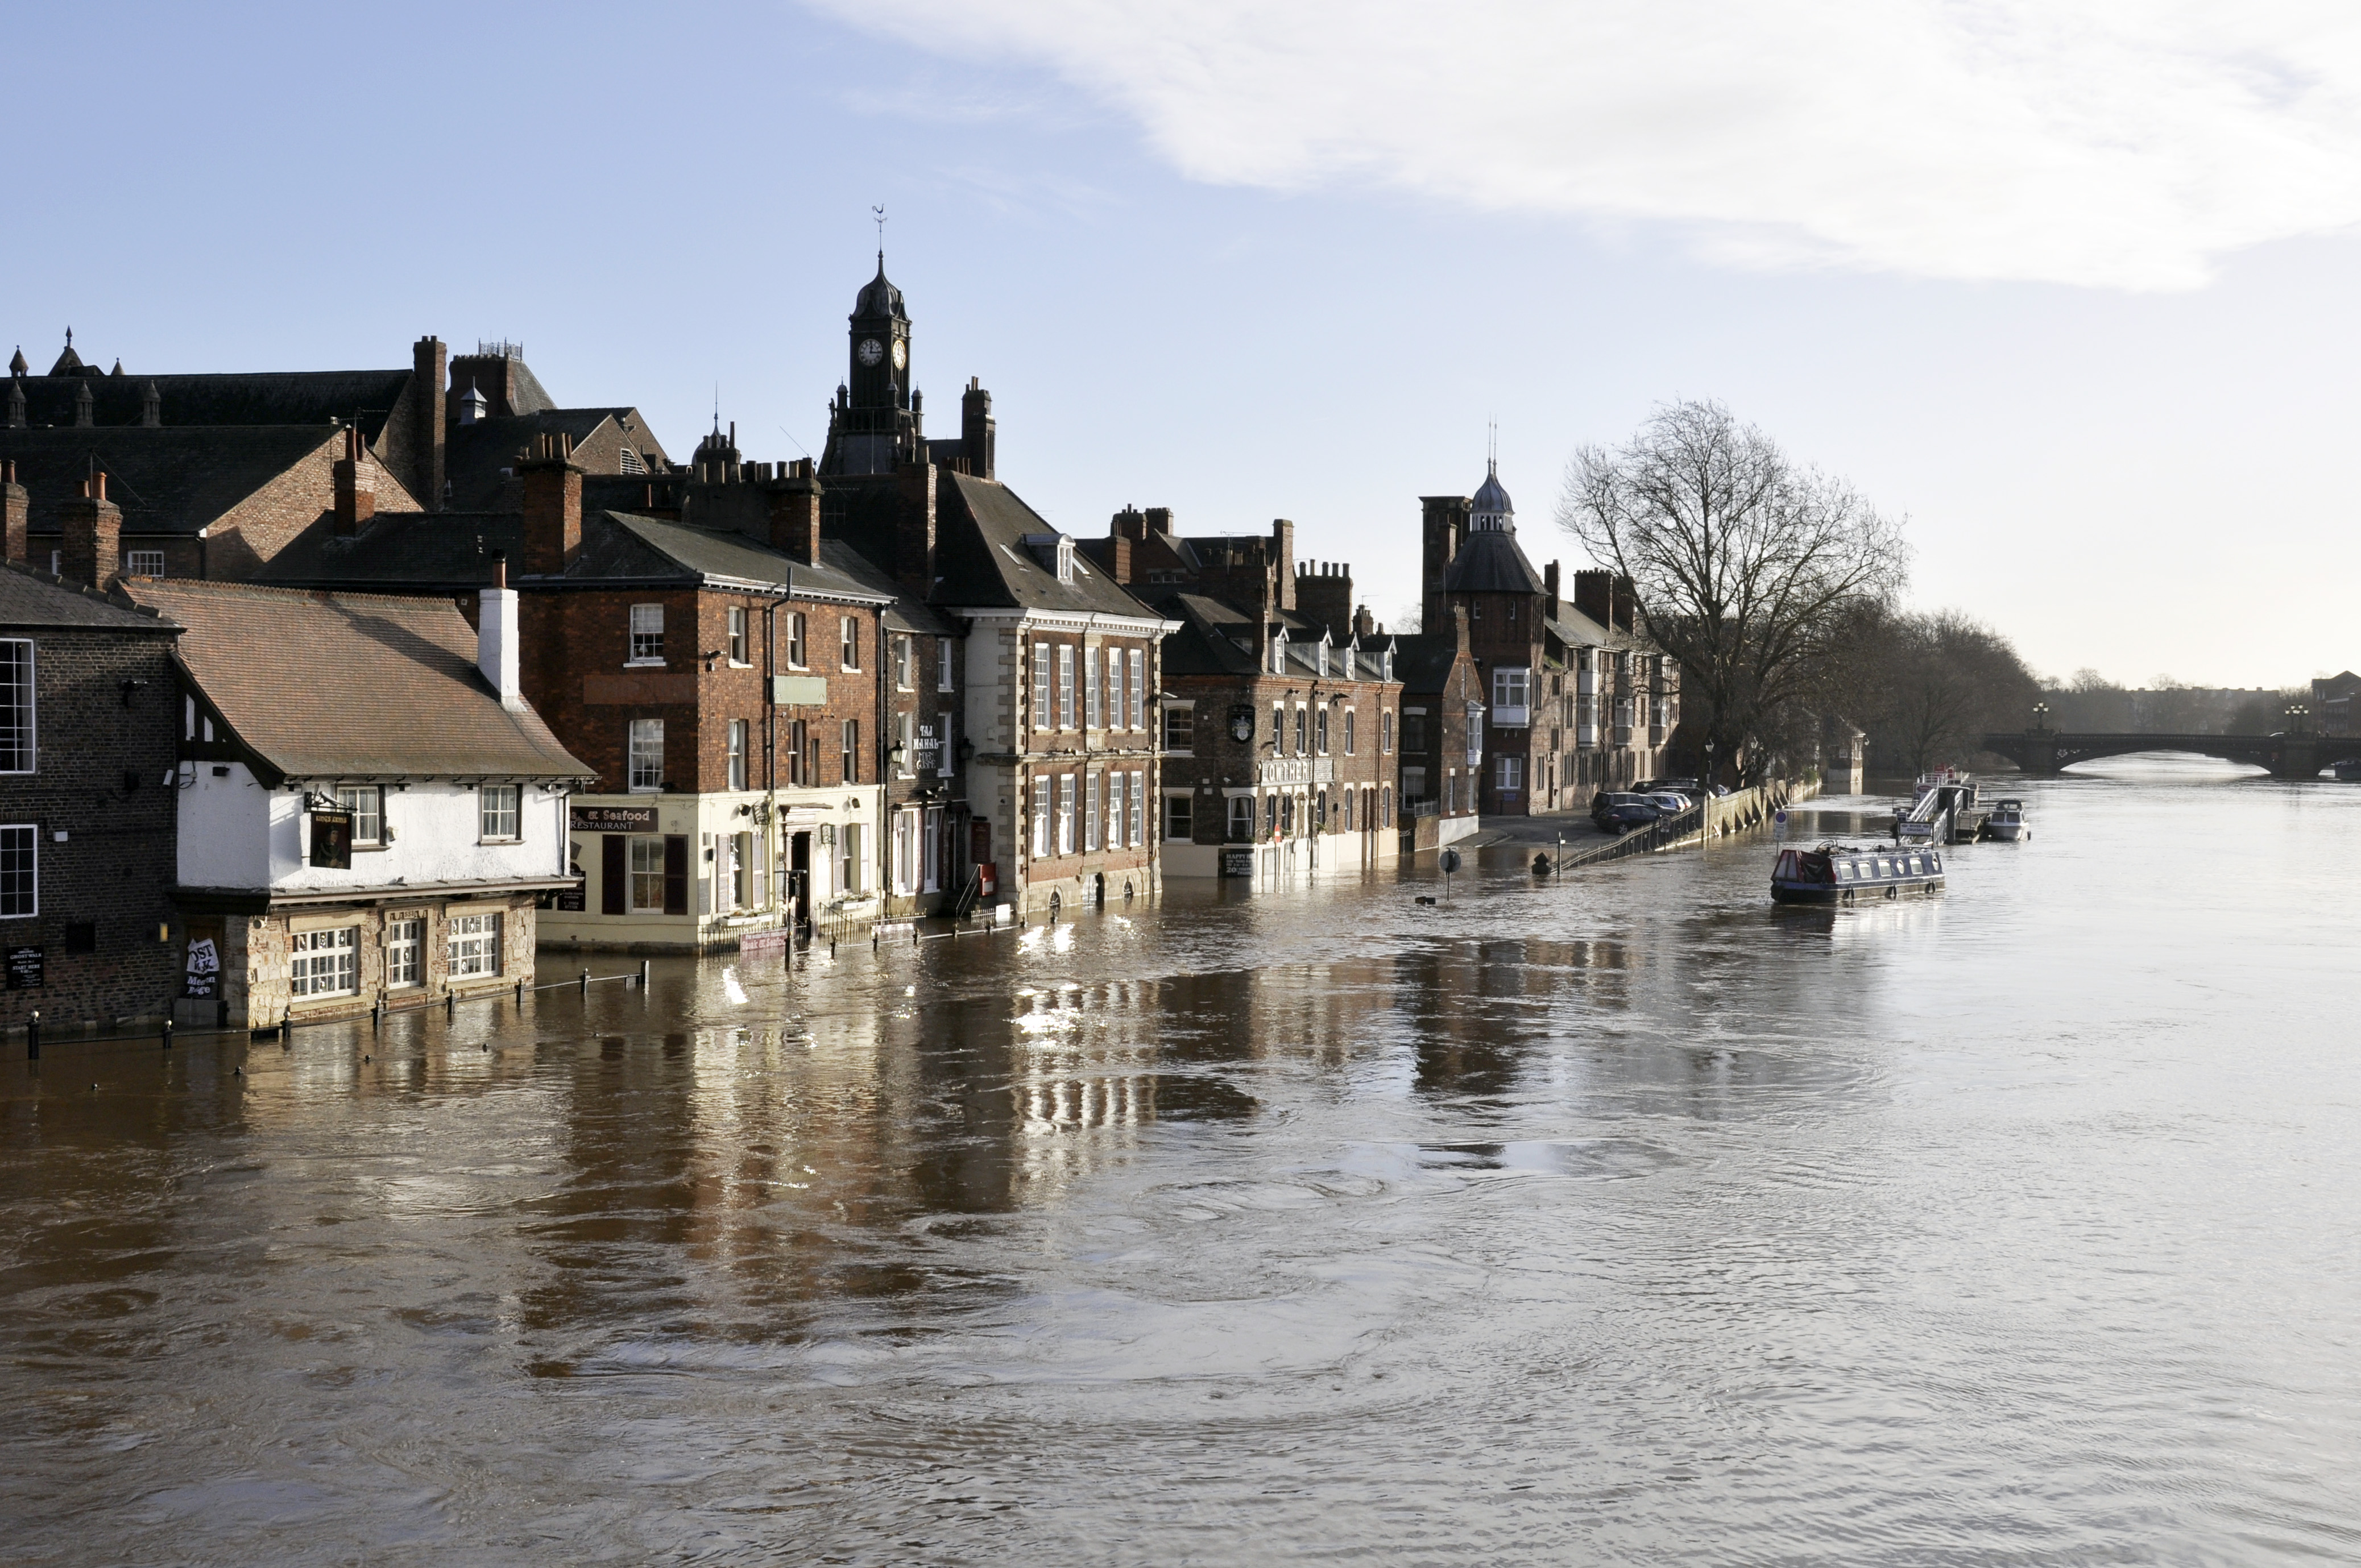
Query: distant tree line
[(2088, 703), (1776, 587)]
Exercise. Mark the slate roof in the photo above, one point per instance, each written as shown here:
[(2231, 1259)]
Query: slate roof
[(1208, 642), (1490, 561), (878, 297), (474, 455), (321, 685), (982, 559), (166, 481), (1422, 662), (419, 553), (258, 398), (620, 546), (30, 599)]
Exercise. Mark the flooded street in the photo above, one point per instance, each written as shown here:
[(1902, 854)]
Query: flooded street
[(1625, 1219)]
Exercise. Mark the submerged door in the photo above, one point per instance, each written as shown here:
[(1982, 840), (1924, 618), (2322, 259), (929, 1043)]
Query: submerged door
[(799, 875)]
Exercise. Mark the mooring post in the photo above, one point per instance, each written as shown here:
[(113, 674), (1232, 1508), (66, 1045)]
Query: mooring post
[(585, 983), (168, 1034), (644, 975), (33, 1036)]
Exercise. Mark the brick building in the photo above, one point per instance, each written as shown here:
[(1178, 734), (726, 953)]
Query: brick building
[(1441, 734), (1282, 705), (86, 808), (370, 812), (1572, 700)]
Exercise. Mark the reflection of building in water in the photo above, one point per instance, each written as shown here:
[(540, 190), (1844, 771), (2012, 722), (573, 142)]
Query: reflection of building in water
[(1082, 1097)]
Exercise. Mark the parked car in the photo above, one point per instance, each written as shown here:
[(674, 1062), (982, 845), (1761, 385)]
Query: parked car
[(1672, 803), (1623, 812)]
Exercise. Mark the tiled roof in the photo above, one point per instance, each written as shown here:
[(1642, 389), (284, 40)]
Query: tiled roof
[(166, 481), (475, 455), (261, 398), (323, 685), (1423, 662), (31, 598), (982, 558), (645, 549)]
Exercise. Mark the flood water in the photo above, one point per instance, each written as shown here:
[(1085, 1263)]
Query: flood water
[(1620, 1219)]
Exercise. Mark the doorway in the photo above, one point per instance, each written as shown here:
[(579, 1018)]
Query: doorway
[(799, 879)]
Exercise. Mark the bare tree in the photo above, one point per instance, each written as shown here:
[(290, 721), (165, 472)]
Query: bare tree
[(1743, 564)]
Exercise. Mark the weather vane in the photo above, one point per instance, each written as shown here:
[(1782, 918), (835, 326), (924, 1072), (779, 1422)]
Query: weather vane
[(881, 232)]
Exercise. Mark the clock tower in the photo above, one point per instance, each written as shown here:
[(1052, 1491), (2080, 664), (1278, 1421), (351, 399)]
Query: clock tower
[(875, 423)]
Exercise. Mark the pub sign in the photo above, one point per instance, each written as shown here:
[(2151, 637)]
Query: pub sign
[(331, 839)]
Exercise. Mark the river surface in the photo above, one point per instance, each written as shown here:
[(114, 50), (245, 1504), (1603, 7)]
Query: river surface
[(1625, 1219)]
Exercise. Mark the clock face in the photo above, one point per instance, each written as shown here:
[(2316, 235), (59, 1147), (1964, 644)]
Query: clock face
[(872, 351), (901, 353)]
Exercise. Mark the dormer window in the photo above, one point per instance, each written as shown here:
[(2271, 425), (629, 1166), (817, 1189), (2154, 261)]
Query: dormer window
[(1279, 653), (1055, 552)]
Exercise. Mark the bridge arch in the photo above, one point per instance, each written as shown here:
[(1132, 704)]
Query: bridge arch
[(2050, 752)]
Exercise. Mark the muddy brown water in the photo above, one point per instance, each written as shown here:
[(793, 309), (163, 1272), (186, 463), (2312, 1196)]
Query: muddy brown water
[(1621, 1220)]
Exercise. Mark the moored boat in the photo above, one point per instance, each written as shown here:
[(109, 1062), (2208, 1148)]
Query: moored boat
[(1838, 874), (2348, 771), (2008, 822)]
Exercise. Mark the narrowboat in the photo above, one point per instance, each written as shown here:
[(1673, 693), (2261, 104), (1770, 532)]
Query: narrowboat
[(1837, 873), (2006, 822)]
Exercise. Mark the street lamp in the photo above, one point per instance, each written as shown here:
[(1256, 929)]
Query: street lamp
[(2040, 716), (2297, 713)]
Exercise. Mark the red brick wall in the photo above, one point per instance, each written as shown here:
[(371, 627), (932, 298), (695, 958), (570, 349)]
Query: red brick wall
[(249, 533)]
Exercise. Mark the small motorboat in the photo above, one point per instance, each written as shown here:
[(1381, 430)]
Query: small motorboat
[(1838, 874), (2006, 822), (2348, 771)]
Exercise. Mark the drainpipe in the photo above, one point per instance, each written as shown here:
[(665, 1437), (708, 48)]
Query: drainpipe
[(771, 755)]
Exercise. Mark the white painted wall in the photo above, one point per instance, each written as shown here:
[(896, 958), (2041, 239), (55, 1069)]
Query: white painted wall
[(235, 833)]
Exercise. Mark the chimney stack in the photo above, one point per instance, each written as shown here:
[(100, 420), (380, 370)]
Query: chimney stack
[(1283, 544), (92, 550), (914, 529), (1443, 524), (355, 486), (552, 506), (1549, 585), (17, 507), (1459, 628), (1594, 596), (978, 433), (1325, 592), (496, 635), (795, 514), (429, 362)]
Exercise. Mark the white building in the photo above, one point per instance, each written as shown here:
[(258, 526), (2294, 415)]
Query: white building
[(368, 809)]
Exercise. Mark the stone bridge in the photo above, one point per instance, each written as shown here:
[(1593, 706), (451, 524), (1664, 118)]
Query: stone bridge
[(2047, 751)]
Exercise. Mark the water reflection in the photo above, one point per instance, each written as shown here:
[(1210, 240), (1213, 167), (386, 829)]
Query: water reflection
[(2011, 1224)]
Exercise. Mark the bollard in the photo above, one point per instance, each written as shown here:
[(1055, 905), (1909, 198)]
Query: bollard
[(520, 993), (643, 970), (450, 1003), (33, 1036), (585, 983), (873, 939), (831, 947), (168, 1034), (914, 933)]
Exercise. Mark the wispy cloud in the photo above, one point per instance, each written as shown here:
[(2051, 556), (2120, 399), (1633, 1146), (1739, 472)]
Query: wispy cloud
[(2113, 143)]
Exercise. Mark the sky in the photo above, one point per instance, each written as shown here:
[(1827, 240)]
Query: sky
[(2068, 285)]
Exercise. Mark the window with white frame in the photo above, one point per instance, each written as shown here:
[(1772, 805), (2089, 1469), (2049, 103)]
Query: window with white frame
[(500, 812), (404, 940), (946, 753), (1349, 732), (853, 750), (647, 874), (742, 639), (367, 803), (905, 664), (848, 652), (736, 740), (20, 871), (1178, 819), (647, 634), (1043, 717), (1180, 728), (1065, 794), (1093, 694), (1511, 773), (1041, 819), (16, 706), (1508, 689), (646, 759), (1386, 733), (325, 963), (943, 664), (143, 562), (1139, 688), (905, 745), (795, 653), (849, 864), (1241, 827), (1319, 733), (1065, 686), (1138, 810), (1092, 786), (475, 946)]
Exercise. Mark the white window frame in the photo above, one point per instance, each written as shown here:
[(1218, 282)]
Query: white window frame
[(1509, 775), (20, 840), (736, 740), (20, 704), (1183, 804), (741, 639), (943, 669), (1093, 696), (1093, 787), (143, 562), (645, 648), (1041, 819), (405, 953), (309, 974), (906, 663), (648, 848), (796, 652), (848, 644), (1187, 713), (499, 805), (472, 943), (1138, 810), (643, 756), (1065, 686), (367, 803), (1063, 801), (1044, 713)]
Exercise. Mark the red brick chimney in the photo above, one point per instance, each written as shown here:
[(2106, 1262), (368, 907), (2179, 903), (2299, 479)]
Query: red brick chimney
[(16, 505), (914, 529), (1594, 595), (1459, 628), (92, 551), (795, 514), (552, 506), (1549, 584), (355, 486), (1119, 559)]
